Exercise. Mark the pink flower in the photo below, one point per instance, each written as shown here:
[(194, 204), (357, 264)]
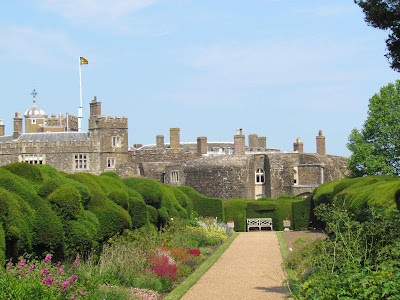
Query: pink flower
[(81, 292), (47, 259), (76, 261), (65, 283), (59, 264), (31, 267), (9, 264), (44, 271), (60, 271), (21, 262)]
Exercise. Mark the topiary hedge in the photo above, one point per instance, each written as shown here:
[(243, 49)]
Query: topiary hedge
[(138, 212), (204, 206), (302, 214), (66, 202), (235, 210), (30, 172)]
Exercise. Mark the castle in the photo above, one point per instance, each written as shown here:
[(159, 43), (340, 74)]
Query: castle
[(224, 170)]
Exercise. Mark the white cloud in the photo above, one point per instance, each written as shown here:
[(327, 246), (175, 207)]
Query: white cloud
[(100, 11), (28, 44)]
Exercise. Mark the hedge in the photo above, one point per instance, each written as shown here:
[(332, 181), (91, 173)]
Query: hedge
[(204, 206), (30, 172), (2, 244), (138, 212), (120, 197), (149, 189), (302, 214), (66, 202), (235, 210)]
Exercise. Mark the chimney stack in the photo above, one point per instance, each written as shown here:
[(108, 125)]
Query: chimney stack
[(201, 145), (320, 143), (262, 142), (253, 141), (298, 146), (160, 141), (239, 142), (174, 134), (17, 126), (1, 128), (95, 107)]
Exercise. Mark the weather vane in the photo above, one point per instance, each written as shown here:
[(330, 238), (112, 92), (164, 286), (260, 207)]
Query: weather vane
[(34, 93)]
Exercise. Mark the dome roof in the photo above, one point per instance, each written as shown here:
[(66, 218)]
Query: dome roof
[(34, 112)]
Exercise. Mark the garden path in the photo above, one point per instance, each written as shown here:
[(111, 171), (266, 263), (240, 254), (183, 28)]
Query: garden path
[(251, 268)]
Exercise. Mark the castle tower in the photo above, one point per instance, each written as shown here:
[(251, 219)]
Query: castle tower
[(201, 145), (239, 142), (320, 143), (1, 128), (17, 126), (174, 134), (34, 117), (262, 142), (298, 146), (160, 141), (253, 141)]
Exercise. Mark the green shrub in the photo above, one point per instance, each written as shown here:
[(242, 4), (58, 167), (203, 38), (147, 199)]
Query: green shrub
[(138, 213), (235, 210), (149, 189), (301, 214), (152, 213), (120, 197), (79, 236), (48, 187), (204, 206), (163, 217), (66, 202), (17, 219), (183, 200), (110, 174), (48, 232), (2, 244), (27, 171)]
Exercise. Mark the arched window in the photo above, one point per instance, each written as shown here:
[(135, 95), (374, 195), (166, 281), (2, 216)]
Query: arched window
[(260, 176)]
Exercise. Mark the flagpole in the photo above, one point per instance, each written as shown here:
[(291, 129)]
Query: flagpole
[(80, 88)]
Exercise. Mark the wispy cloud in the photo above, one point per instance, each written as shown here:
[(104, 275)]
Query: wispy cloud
[(101, 11), (29, 44)]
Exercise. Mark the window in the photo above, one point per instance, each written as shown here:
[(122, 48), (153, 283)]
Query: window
[(111, 162), (33, 159), (33, 121), (174, 176), (296, 176), (260, 176), (81, 162), (116, 141)]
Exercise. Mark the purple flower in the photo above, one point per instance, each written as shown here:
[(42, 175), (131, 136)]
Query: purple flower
[(81, 292), (59, 264), (44, 271), (76, 261), (9, 264), (60, 271), (31, 267), (65, 283)]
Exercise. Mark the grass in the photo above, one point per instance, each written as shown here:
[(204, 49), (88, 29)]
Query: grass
[(282, 244), (180, 290)]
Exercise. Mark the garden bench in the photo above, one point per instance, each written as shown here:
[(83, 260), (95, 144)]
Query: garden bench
[(259, 223)]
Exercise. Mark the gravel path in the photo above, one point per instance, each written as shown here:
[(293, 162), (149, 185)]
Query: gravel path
[(251, 268)]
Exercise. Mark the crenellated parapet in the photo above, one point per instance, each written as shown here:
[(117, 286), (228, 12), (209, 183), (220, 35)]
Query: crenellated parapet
[(63, 146), (162, 155), (103, 122)]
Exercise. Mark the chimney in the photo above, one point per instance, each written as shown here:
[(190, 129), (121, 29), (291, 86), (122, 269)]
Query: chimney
[(253, 141), (17, 126), (201, 145), (262, 142), (95, 107), (239, 142), (160, 141), (174, 135), (320, 143), (298, 146), (1, 128)]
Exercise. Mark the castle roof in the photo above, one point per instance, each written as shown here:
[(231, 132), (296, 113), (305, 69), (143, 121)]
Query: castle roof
[(34, 112)]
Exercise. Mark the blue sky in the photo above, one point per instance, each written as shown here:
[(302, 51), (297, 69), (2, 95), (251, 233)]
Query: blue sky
[(280, 69)]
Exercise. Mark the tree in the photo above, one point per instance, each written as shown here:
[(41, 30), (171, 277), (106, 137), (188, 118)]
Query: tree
[(376, 148), (385, 14)]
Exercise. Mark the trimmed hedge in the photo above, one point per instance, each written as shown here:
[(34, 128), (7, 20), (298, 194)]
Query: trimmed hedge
[(66, 202), (2, 244), (120, 197), (235, 210), (302, 214), (204, 206), (138, 212), (30, 172), (152, 214)]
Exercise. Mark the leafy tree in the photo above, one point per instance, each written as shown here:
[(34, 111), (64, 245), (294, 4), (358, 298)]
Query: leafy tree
[(385, 14), (376, 148)]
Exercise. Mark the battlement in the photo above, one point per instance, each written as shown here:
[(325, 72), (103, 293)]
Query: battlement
[(99, 122), (20, 147)]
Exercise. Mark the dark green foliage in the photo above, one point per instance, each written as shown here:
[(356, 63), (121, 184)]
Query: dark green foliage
[(2, 244), (301, 210), (120, 197), (48, 232), (163, 216), (384, 14), (17, 219), (138, 212), (149, 189), (48, 187), (66, 202), (184, 201), (80, 235), (30, 172), (235, 210), (152, 213), (204, 206)]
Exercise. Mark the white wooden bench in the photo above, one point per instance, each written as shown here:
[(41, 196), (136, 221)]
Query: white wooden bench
[(259, 223)]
